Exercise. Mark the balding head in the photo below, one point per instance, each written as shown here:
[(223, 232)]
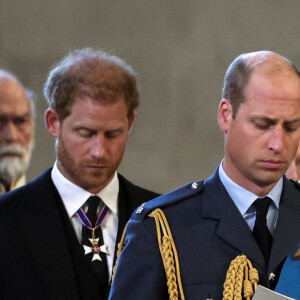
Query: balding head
[(246, 65), (260, 118), (16, 128), (4, 75)]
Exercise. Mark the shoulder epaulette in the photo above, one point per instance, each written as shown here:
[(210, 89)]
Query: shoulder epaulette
[(167, 199), (295, 182)]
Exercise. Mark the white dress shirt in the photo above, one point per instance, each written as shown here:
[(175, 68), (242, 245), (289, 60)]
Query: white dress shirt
[(74, 197), (244, 200)]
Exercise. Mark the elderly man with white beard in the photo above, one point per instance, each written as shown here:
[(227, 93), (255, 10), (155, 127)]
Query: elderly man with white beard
[(16, 131)]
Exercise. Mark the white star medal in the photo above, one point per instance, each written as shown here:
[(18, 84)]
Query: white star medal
[(95, 249)]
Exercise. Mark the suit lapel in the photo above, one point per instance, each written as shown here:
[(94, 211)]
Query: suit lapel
[(235, 231), (39, 222), (124, 215), (129, 198), (128, 201), (232, 227)]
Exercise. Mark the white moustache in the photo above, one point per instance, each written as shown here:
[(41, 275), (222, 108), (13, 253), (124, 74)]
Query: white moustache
[(12, 150)]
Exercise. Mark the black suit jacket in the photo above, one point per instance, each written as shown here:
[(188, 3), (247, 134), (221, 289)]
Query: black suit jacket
[(40, 256), (209, 232)]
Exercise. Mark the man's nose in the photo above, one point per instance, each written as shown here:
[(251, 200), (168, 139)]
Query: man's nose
[(10, 133), (98, 146), (276, 142)]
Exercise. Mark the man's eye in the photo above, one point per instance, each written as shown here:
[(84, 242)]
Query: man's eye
[(3, 121), (84, 132), (112, 134), (262, 126), (20, 121), (291, 128)]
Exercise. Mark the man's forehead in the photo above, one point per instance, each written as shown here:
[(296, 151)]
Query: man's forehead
[(263, 77), (10, 106), (83, 99), (12, 90), (275, 97), (6, 80)]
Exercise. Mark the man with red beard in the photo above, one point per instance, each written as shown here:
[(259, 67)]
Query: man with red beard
[(16, 131), (59, 232)]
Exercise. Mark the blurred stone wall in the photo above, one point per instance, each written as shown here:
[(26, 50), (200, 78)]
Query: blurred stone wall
[(180, 50)]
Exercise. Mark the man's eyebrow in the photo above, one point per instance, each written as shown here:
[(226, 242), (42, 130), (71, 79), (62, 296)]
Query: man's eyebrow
[(262, 118), (273, 120), (293, 121), (25, 115)]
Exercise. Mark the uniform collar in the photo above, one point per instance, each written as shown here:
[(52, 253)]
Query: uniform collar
[(243, 198)]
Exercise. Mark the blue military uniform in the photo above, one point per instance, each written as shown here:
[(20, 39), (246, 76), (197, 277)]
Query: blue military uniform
[(208, 231), (289, 280)]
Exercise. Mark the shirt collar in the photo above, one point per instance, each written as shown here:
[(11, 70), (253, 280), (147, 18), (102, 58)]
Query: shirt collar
[(18, 182), (74, 196), (243, 198)]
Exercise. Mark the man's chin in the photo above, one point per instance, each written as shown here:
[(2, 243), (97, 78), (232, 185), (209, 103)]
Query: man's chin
[(269, 180), (12, 167), (94, 183)]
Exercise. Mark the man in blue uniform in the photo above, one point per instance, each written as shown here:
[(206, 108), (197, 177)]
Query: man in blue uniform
[(246, 207)]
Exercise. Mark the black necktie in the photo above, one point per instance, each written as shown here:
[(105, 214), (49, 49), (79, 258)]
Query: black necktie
[(100, 267), (261, 231)]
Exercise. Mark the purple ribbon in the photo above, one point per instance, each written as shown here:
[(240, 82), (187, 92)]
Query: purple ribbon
[(86, 222)]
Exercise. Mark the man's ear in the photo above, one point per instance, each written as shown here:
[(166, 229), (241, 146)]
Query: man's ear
[(52, 122), (131, 120), (225, 115)]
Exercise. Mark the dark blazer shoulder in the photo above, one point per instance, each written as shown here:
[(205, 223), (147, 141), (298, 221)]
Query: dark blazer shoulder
[(137, 190), (134, 194), (35, 188)]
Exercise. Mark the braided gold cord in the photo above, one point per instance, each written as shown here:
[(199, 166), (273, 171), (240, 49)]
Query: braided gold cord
[(237, 293), (169, 267), (164, 247), (174, 250), (237, 279), (230, 280), (169, 254)]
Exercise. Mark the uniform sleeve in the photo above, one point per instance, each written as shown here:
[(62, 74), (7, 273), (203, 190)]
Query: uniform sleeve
[(140, 273)]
